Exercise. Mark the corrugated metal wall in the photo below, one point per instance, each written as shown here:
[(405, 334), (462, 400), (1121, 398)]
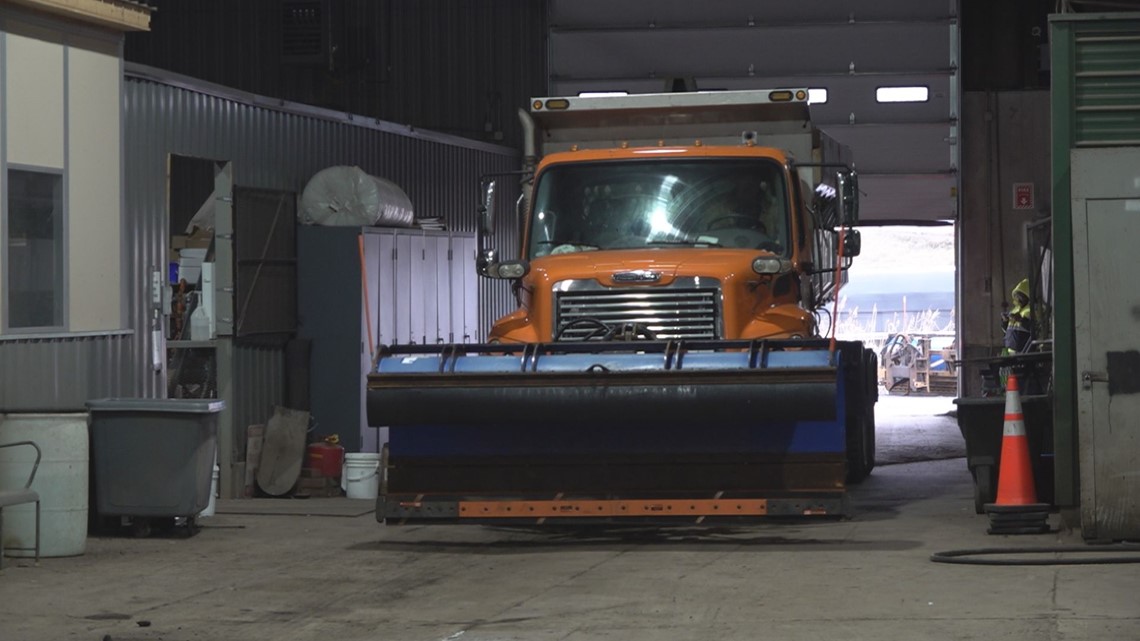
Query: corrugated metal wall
[(60, 372), (457, 67), (276, 145), (259, 366)]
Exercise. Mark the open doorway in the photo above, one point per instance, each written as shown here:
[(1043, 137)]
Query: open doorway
[(189, 316), (900, 301)]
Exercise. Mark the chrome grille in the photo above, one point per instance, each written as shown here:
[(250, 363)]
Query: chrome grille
[(669, 312)]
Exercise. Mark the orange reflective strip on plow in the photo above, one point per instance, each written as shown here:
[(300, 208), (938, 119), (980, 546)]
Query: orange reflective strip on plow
[(611, 508)]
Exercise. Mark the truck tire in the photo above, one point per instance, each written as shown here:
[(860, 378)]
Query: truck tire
[(871, 363), (862, 392)]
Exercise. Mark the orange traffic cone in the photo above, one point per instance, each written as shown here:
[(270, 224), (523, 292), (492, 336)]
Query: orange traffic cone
[(1016, 510), (1015, 476)]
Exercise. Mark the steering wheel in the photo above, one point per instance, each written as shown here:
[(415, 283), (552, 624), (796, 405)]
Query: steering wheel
[(750, 222)]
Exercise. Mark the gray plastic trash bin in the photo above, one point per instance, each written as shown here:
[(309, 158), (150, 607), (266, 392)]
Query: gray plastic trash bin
[(153, 457)]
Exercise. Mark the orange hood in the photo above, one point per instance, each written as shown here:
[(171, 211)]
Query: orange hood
[(746, 295)]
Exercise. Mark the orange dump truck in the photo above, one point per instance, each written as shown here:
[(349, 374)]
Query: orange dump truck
[(665, 362)]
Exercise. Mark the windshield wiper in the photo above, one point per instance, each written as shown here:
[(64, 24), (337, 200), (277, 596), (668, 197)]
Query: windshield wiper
[(566, 242)]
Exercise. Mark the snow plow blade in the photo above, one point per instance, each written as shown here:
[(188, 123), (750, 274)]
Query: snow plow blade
[(644, 431)]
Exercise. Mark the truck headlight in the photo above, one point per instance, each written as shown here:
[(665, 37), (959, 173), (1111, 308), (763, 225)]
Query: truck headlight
[(771, 265), (512, 269)]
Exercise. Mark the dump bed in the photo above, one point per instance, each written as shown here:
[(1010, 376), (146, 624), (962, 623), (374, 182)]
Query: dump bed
[(771, 118)]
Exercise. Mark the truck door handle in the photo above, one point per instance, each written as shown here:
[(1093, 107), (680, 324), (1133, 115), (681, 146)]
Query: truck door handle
[(1088, 378)]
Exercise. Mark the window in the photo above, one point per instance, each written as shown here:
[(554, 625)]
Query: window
[(34, 268), (817, 96), (902, 94)]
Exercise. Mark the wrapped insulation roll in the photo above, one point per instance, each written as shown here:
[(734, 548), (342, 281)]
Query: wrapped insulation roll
[(347, 196)]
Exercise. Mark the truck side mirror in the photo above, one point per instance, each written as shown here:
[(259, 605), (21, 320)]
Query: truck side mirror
[(852, 243), (848, 183), (486, 257), (487, 211), (485, 260)]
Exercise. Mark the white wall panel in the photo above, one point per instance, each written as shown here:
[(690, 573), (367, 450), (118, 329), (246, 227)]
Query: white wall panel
[(442, 292), (421, 282), (34, 68), (386, 301), (404, 272), (430, 304), (458, 268), (95, 207), (472, 333)]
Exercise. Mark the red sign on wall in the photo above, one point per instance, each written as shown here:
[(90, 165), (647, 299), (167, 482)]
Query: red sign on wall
[(1023, 195)]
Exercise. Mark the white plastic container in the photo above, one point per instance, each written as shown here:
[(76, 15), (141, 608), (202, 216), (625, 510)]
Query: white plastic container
[(200, 323), (61, 481), (361, 475)]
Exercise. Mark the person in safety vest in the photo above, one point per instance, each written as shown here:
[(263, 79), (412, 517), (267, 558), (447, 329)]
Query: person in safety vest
[(1018, 321)]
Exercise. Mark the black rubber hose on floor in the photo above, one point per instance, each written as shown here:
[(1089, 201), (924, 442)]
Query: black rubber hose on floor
[(970, 557)]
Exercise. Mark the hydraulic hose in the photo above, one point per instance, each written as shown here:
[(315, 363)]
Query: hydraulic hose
[(971, 556)]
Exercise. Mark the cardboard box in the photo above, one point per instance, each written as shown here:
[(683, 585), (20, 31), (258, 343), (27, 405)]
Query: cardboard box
[(200, 239)]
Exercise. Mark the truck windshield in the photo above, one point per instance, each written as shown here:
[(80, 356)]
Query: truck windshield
[(737, 203)]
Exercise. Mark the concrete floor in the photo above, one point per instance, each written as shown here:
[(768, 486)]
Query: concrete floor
[(275, 576)]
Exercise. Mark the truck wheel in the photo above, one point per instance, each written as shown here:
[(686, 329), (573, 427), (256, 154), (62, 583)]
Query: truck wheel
[(862, 391), (872, 367)]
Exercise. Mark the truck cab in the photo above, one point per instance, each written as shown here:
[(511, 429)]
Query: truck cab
[(711, 228)]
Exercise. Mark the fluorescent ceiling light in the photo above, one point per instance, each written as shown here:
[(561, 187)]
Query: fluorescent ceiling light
[(902, 94), (601, 94), (817, 96)]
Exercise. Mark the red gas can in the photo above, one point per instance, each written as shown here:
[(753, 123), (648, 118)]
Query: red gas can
[(326, 457)]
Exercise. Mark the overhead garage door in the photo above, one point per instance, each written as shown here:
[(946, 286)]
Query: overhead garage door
[(906, 152)]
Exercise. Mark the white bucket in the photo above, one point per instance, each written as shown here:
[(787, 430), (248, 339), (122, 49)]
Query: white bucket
[(361, 475), (61, 482)]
